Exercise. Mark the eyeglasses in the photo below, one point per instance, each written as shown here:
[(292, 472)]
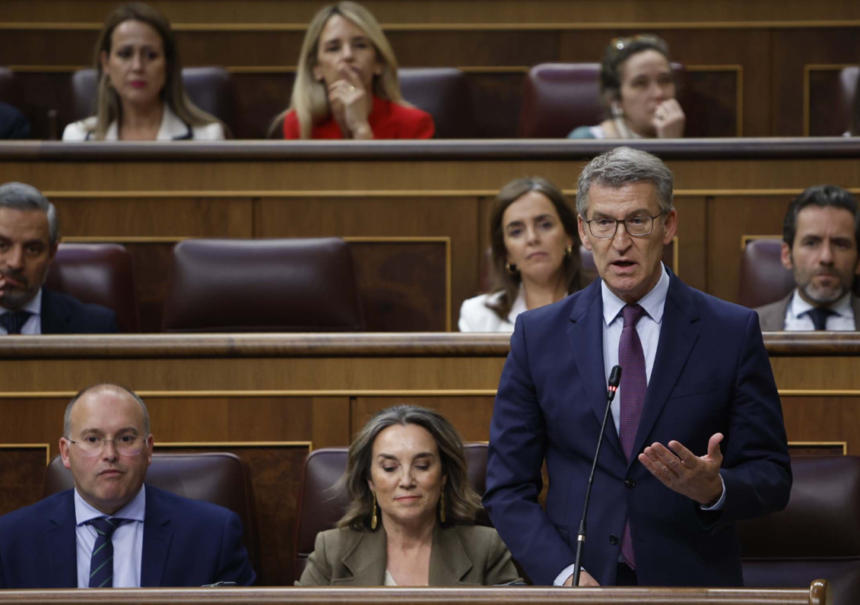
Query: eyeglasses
[(127, 445), (636, 226)]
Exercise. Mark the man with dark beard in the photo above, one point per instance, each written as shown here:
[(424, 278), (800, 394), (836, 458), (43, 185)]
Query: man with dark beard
[(29, 236), (820, 236)]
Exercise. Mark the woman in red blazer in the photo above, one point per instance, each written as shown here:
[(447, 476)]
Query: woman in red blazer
[(346, 82)]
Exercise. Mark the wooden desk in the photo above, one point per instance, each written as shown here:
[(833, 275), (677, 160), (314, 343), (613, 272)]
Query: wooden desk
[(270, 399), (817, 594), (429, 201)]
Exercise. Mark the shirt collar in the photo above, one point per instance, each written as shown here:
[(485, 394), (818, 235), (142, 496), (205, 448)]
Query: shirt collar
[(34, 306), (133, 511), (799, 306), (654, 302)]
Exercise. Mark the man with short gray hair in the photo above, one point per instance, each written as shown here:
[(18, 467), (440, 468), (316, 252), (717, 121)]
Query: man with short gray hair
[(29, 236), (696, 440)]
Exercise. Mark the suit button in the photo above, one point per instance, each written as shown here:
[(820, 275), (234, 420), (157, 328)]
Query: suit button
[(613, 539), (629, 483)]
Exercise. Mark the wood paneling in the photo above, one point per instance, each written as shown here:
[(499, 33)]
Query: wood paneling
[(469, 415), (22, 472), (823, 119)]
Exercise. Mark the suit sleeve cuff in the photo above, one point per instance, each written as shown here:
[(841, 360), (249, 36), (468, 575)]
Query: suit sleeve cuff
[(561, 578), (721, 502)]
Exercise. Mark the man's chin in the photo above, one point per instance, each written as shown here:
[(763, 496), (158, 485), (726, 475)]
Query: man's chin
[(823, 295)]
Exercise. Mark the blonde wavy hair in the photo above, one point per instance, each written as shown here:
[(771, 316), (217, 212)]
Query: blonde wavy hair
[(310, 97), (108, 105)]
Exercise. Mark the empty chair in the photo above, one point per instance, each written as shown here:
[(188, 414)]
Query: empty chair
[(209, 88), (558, 97), (443, 93), (280, 285), (320, 507), (98, 274), (764, 279), (816, 536), (219, 478)]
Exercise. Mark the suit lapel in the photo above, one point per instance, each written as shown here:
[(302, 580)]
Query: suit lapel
[(157, 535), (55, 315), (449, 562), (61, 544), (678, 336), (585, 335), (367, 559), (855, 305)]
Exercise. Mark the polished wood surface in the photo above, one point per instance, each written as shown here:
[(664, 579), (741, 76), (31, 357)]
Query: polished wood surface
[(725, 190), (815, 595)]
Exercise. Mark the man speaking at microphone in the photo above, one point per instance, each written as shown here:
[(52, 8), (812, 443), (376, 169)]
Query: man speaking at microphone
[(696, 439)]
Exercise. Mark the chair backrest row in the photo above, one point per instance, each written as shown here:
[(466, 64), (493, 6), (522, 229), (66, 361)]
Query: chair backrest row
[(280, 285)]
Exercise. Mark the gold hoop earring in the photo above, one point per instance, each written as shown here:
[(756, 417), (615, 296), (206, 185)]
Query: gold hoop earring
[(442, 516), (373, 520), (569, 250), (512, 269)]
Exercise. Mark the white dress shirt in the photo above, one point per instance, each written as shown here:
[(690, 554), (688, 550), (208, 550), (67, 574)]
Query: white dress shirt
[(797, 320), (648, 329), (127, 541), (33, 325)]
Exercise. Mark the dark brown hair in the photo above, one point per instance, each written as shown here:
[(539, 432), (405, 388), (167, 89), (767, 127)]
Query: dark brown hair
[(618, 51), (509, 282)]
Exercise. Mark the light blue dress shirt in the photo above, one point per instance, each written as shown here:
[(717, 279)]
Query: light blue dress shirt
[(127, 541), (33, 325)]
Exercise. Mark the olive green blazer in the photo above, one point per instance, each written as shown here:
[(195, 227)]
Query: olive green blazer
[(461, 555)]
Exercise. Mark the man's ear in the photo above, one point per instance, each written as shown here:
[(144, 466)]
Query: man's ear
[(583, 236), (785, 257), (64, 452), (671, 226)]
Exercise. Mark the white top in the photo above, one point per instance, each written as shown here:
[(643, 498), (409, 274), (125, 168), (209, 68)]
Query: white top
[(475, 316), (127, 540), (172, 129), (796, 320), (33, 325), (389, 579)]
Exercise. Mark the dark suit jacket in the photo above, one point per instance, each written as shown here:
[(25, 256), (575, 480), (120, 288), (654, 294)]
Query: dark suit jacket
[(711, 374), (185, 543), (461, 555), (62, 314), (772, 316)]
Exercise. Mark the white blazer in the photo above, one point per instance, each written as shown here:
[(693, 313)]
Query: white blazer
[(172, 129), (475, 316)]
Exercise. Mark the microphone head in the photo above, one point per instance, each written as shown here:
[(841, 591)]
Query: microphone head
[(615, 377)]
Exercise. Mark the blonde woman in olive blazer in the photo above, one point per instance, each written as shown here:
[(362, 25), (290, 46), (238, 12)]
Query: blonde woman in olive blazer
[(411, 518)]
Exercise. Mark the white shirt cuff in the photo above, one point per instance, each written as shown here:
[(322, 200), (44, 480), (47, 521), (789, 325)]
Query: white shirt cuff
[(561, 578), (721, 501)]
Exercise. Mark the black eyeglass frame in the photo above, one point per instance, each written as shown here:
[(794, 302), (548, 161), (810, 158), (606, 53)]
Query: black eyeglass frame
[(626, 228)]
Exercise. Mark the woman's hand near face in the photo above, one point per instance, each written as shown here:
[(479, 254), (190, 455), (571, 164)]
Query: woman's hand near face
[(669, 120), (350, 104)]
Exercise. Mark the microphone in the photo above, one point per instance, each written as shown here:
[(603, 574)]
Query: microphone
[(614, 381)]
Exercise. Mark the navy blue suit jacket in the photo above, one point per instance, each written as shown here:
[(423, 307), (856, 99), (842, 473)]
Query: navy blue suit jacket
[(185, 543), (711, 374), (62, 314)]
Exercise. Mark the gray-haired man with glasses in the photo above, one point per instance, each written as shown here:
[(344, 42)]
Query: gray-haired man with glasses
[(111, 530), (696, 440)]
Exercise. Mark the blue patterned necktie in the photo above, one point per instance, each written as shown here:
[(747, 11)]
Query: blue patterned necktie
[(13, 321), (634, 384), (101, 564)]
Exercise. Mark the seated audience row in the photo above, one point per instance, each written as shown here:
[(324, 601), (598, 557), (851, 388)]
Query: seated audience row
[(536, 260)]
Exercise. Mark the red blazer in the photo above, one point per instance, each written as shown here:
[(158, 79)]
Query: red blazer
[(387, 121)]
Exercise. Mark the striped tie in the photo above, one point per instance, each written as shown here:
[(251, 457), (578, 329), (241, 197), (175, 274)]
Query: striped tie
[(634, 383), (13, 321), (101, 565)]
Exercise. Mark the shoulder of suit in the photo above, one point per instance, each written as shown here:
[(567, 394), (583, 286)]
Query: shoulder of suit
[(78, 131), (200, 510), (209, 132), (477, 316), (40, 510), (340, 538), (52, 297)]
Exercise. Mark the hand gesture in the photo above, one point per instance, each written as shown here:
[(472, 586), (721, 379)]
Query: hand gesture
[(669, 120), (585, 579), (350, 104), (697, 477)]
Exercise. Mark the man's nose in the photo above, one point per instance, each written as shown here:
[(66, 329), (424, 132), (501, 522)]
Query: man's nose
[(109, 451), (826, 257), (621, 240), (15, 258)]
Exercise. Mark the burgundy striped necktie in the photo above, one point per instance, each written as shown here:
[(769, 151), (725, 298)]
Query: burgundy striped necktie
[(634, 384)]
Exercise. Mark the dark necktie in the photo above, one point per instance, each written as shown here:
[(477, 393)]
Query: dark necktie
[(13, 321), (101, 565), (819, 316), (634, 384)]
